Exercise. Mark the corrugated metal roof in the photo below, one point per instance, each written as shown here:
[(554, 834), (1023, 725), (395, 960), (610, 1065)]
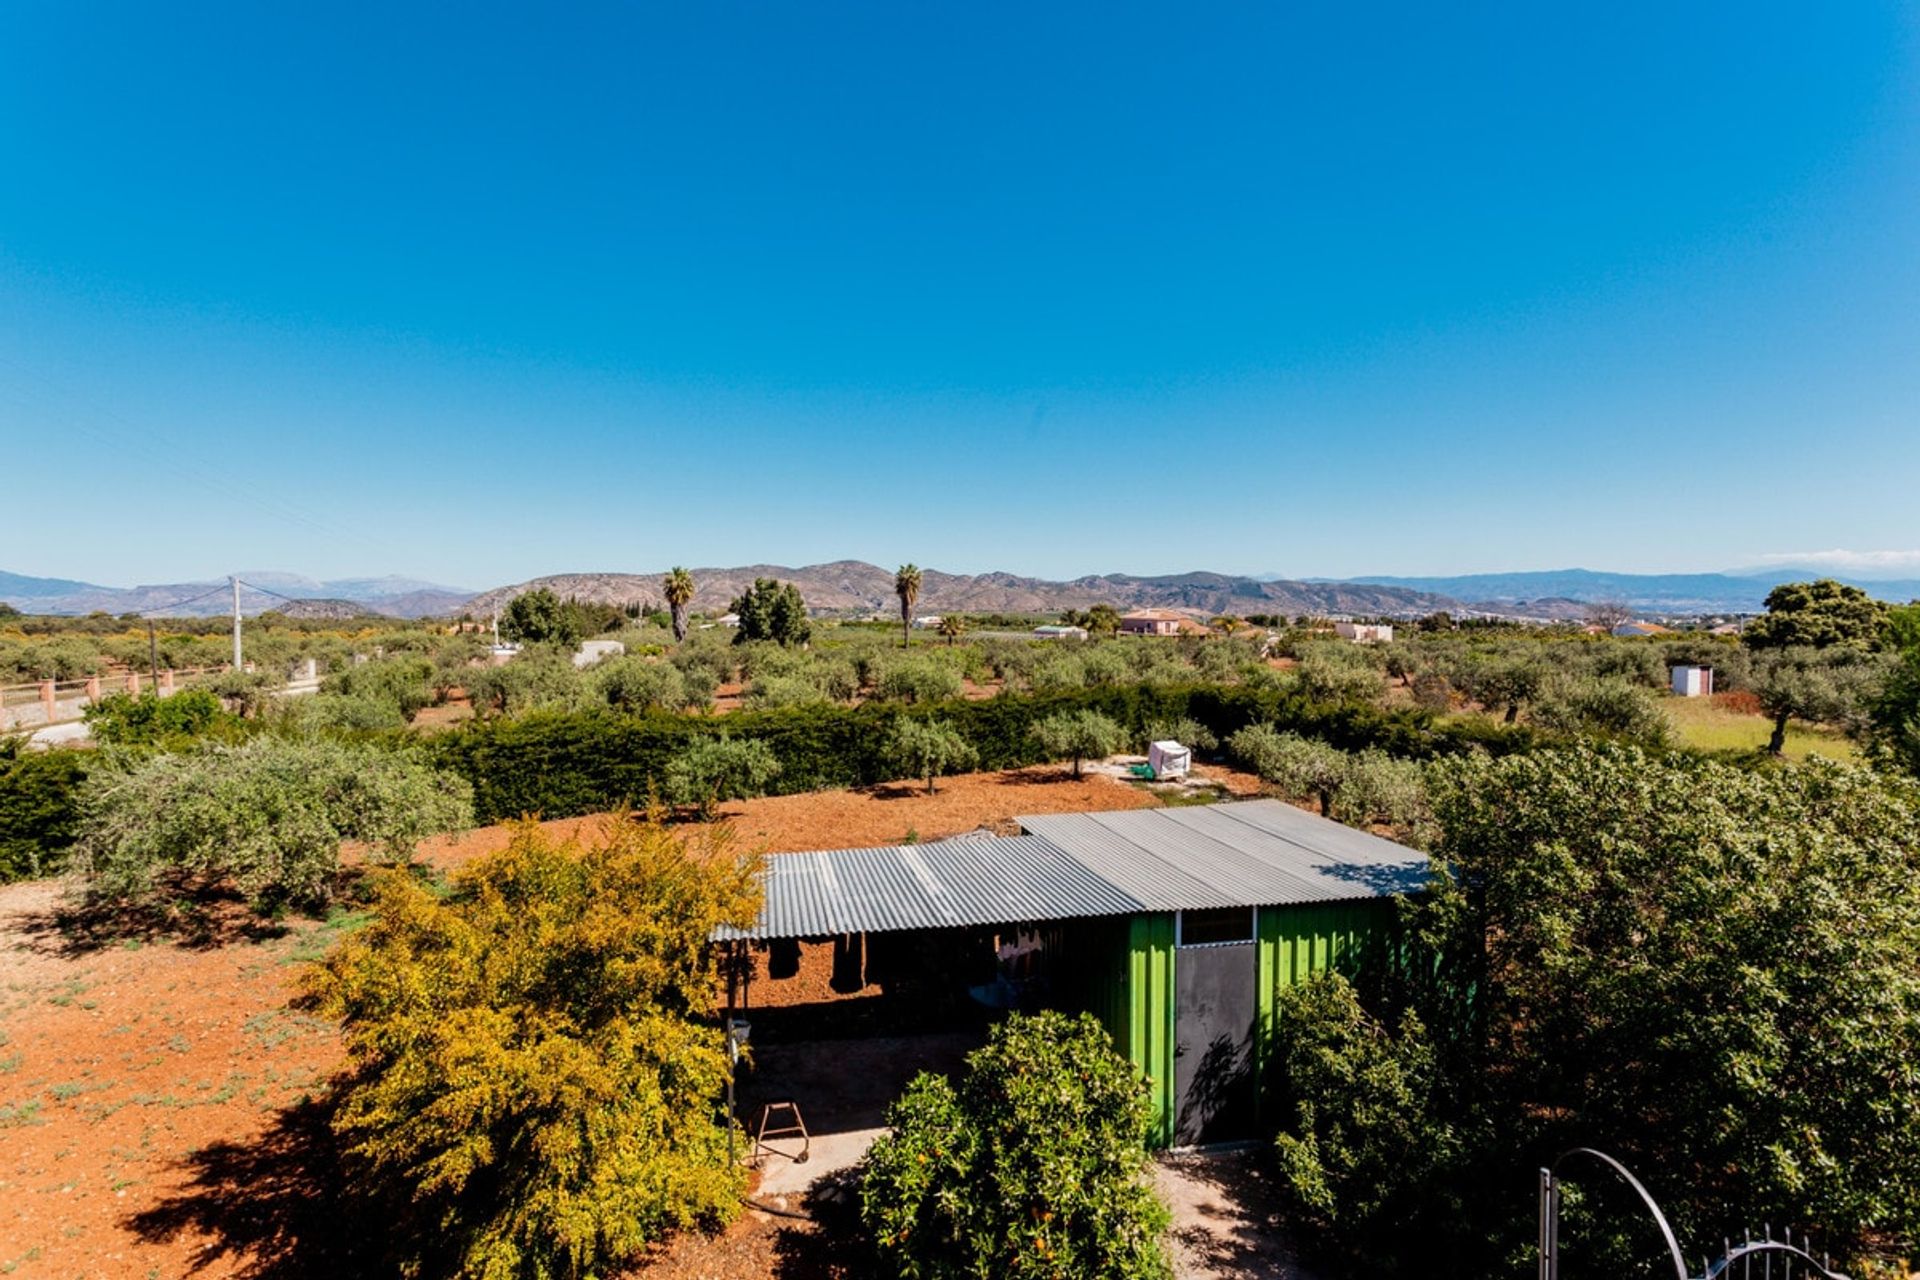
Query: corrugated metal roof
[(1002, 880), (1252, 853)]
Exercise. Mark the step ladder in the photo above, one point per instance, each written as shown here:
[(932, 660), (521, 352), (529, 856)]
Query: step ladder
[(788, 1109)]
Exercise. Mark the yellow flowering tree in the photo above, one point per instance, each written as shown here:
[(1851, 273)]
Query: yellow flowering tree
[(535, 1075)]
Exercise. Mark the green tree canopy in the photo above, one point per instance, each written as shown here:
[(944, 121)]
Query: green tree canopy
[(125, 719), (721, 768), (1818, 615), (1711, 972), (1079, 736), (267, 816), (928, 749), (1033, 1168), (1835, 686), (534, 1066), (772, 610), (539, 617)]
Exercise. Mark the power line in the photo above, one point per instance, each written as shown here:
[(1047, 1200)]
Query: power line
[(175, 604)]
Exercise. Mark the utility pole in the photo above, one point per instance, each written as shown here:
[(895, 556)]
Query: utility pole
[(153, 657), (236, 622)]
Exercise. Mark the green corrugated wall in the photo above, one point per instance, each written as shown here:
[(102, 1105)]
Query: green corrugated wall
[(1122, 971), (1294, 943)]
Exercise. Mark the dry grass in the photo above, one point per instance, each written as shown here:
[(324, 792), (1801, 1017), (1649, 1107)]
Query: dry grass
[(1720, 724)]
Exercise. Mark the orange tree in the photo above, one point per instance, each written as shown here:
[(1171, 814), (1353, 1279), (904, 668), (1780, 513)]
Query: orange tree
[(535, 1078)]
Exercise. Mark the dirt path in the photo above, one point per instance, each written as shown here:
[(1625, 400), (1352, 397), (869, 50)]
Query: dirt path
[(1225, 1219)]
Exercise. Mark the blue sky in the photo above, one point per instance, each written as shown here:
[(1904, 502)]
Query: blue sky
[(480, 292)]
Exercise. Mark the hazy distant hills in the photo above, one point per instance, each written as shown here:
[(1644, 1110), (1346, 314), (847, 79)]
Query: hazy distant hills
[(1535, 592), (393, 596), (854, 585)]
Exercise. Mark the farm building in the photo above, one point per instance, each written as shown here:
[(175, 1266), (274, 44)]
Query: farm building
[(1176, 927), (593, 651), (1054, 631), (1693, 682), (1151, 622), (1364, 632)]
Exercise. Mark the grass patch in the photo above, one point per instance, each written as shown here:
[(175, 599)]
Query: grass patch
[(314, 945), (1706, 725), (13, 1115)]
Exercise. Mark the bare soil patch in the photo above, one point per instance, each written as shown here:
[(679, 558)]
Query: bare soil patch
[(159, 1096)]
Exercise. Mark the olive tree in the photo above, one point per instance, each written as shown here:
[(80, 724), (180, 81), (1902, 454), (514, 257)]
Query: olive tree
[(1078, 735), (928, 749), (267, 816)]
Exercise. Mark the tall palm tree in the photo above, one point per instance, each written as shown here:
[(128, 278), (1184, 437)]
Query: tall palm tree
[(678, 586), (906, 585), (952, 626)]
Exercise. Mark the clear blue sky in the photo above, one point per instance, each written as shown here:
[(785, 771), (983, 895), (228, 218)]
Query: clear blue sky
[(485, 291)]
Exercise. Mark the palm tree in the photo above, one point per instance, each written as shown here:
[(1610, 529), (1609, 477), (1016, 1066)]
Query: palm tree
[(906, 585), (952, 626), (678, 586)]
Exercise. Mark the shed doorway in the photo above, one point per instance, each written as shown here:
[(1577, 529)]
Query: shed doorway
[(1213, 1013)]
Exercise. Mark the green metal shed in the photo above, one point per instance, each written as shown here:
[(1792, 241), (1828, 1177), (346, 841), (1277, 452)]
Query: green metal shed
[(1176, 927)]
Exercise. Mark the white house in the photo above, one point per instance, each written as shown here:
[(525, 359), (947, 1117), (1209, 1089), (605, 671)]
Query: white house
[(1364, 632), (1054, 631), (1693, 682), (926, 622)]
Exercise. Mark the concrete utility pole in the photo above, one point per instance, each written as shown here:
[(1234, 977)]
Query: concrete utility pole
[(236, 622)]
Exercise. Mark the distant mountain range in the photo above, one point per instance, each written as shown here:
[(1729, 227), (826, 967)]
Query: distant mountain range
[(855, 586), (1546, 593), (289, 592)]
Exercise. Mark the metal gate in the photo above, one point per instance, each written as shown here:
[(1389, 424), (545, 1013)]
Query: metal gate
[(1751, 1258)]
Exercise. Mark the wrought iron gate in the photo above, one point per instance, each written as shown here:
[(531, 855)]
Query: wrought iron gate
[(1750, 1259)]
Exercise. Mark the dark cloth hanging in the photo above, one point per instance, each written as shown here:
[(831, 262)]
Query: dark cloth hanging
[(783, 957), (847, 958)]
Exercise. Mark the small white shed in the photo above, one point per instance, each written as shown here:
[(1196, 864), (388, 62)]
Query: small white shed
[(1169, 759), (1693, 682)]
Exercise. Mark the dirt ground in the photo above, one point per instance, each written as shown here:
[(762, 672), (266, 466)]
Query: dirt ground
[(158, 1096)]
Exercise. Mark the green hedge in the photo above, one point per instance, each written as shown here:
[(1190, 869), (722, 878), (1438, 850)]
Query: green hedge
[(560, 764), (39, 809)]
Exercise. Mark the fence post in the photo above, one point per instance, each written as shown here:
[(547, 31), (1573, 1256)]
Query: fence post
[(166, 682), (93, 688), (46, 699), (133, 683)]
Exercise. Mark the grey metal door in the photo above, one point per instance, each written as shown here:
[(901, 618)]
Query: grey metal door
[(1213, 1009)]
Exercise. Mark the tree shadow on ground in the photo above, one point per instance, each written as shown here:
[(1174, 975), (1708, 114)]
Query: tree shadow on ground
[(833, 1246), (1230, 1222), (201, 918), (270, 1208)]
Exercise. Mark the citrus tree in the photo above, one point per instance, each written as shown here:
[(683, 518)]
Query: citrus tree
[(1033, 1168)]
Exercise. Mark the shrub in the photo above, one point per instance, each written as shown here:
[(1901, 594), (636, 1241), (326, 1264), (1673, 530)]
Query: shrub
[(1299, 768), (534, 1069), (535, 679), (929, 748), (39, 808), (918, 680), (769, 692), (721, 768), (268, 816), (1184, 730), (1373, 788), (1362, 1135), (406, 682), (1338, 672), (356, 712), (121, 719), (1610, 708), (1078, 735), (1034, 1166), (634, 683)]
